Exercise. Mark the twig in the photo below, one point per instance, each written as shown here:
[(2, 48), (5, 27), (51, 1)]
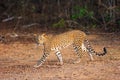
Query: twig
[(8, 19), (11, 18), (29, 25)]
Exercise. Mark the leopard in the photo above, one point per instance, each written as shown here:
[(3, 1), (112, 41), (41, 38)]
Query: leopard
[(56, 43)]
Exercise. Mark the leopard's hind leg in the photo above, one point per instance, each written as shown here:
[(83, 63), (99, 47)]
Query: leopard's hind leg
[(86, 50), (78, 51)]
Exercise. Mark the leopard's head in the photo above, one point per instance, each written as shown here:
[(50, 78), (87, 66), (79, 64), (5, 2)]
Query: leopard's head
[(41, 39)]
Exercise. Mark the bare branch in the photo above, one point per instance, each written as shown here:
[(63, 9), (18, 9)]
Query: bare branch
[(29, 25), (11, 18)]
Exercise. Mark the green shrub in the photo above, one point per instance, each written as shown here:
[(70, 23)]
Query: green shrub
[(81, 12), (59, 24)]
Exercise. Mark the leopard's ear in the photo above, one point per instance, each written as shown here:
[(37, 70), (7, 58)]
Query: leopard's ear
[(35, 35), (44, 35)]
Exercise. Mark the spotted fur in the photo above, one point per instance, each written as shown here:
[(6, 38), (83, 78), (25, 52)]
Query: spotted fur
[(76, 38)]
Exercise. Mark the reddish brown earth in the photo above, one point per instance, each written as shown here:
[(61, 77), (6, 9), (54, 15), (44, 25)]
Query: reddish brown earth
[(18, 58)]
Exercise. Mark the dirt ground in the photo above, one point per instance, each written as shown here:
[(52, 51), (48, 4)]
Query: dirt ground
[(18, 58)]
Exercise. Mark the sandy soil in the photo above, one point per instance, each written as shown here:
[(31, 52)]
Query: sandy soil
[(18, 58)]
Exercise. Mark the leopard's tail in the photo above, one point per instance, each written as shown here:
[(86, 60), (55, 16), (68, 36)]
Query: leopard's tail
[(92, 51)]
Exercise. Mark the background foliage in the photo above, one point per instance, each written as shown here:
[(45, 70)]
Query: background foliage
[(103, 14)]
